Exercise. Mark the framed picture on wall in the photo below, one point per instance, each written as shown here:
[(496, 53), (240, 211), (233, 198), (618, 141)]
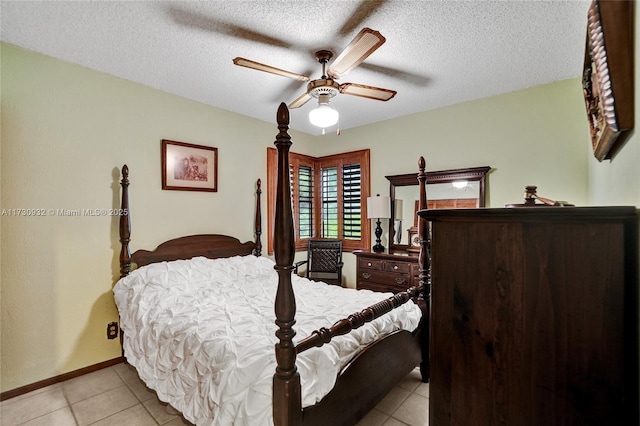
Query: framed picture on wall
[(607, 78), (189, 167)]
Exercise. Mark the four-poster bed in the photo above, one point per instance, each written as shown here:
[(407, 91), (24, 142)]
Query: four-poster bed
[(365, 375)]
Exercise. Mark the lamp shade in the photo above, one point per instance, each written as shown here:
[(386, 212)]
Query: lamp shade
[(379, 207), (397, 209)]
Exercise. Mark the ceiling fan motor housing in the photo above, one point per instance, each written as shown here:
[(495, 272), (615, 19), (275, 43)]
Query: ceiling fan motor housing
[(323, 86)]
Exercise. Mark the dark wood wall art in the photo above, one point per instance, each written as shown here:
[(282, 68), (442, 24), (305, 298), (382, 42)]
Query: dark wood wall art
[(607, 78), (189, 167)]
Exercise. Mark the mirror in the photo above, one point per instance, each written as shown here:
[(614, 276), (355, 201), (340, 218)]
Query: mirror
[(446, 189)]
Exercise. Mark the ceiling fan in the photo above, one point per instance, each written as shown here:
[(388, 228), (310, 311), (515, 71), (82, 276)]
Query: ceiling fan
[(326, 87)]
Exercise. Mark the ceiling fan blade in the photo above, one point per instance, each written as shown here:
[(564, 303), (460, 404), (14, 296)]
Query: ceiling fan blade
[(363, 45), (267, 68), (368, 92), (302, 99)]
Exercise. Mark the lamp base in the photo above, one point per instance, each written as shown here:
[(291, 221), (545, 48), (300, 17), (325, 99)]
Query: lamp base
[(378, 248)]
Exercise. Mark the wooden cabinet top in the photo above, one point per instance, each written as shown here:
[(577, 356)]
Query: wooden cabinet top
[(396, 255), (538, 213)]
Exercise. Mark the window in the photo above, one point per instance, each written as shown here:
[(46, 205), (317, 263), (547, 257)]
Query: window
[(305, 201), (328, 197), (352, 201), (329, 202)]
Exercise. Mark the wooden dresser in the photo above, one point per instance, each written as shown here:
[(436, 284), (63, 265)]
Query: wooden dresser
[(389, 272), (534, 316)]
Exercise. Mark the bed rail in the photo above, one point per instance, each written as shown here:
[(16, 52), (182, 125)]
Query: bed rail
[(324, 335)]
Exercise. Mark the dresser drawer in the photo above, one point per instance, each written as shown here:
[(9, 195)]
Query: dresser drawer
[(373, 264), (398, 282), (399, 267)]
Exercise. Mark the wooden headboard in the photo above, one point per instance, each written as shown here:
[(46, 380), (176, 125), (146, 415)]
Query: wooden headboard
[(212, 246)]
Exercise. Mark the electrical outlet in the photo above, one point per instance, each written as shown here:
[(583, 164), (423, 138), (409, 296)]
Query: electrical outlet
[(112, 330)]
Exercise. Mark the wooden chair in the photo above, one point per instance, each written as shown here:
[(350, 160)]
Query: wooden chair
[(324, 261)]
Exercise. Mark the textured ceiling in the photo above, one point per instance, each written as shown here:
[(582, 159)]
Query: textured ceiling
[(437, 53)]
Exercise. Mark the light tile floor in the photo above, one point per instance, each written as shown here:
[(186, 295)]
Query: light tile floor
[(115, 396)]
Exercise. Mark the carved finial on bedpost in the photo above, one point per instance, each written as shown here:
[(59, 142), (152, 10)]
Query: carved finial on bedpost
[(283, 118), (258, 226), (125, 225), (287, 400), (425, 267)]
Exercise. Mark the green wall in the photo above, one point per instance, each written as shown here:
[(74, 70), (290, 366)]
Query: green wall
[(66, 130)]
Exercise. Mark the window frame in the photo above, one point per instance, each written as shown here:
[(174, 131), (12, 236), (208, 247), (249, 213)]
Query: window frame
[(296, 160)]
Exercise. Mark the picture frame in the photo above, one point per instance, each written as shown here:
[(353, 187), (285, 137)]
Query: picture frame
[(189, 167), (607, 78)]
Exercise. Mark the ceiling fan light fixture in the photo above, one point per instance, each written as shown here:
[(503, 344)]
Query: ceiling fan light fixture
[(324, 115)]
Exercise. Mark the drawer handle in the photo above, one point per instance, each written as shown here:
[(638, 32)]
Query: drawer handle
[(395, 267), (369, 264), (400, 280), (366, 275)]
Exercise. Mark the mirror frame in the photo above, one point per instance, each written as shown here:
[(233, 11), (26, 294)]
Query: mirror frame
[(441, 176)]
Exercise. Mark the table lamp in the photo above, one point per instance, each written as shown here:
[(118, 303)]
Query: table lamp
[(378, 208)]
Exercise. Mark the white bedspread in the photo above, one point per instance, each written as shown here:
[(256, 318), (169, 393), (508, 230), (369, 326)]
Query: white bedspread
[(201, 333)]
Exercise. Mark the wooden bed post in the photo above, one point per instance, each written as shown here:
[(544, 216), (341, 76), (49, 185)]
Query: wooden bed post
[(125, 225), (125, 237), (287, 400), (424, 276), (258, 225)]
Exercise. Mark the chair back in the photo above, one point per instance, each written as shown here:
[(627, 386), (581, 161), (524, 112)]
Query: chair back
[(325, 260), (324, 255)]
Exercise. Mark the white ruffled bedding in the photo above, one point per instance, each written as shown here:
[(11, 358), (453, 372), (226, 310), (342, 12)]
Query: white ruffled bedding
[(201, 333)]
